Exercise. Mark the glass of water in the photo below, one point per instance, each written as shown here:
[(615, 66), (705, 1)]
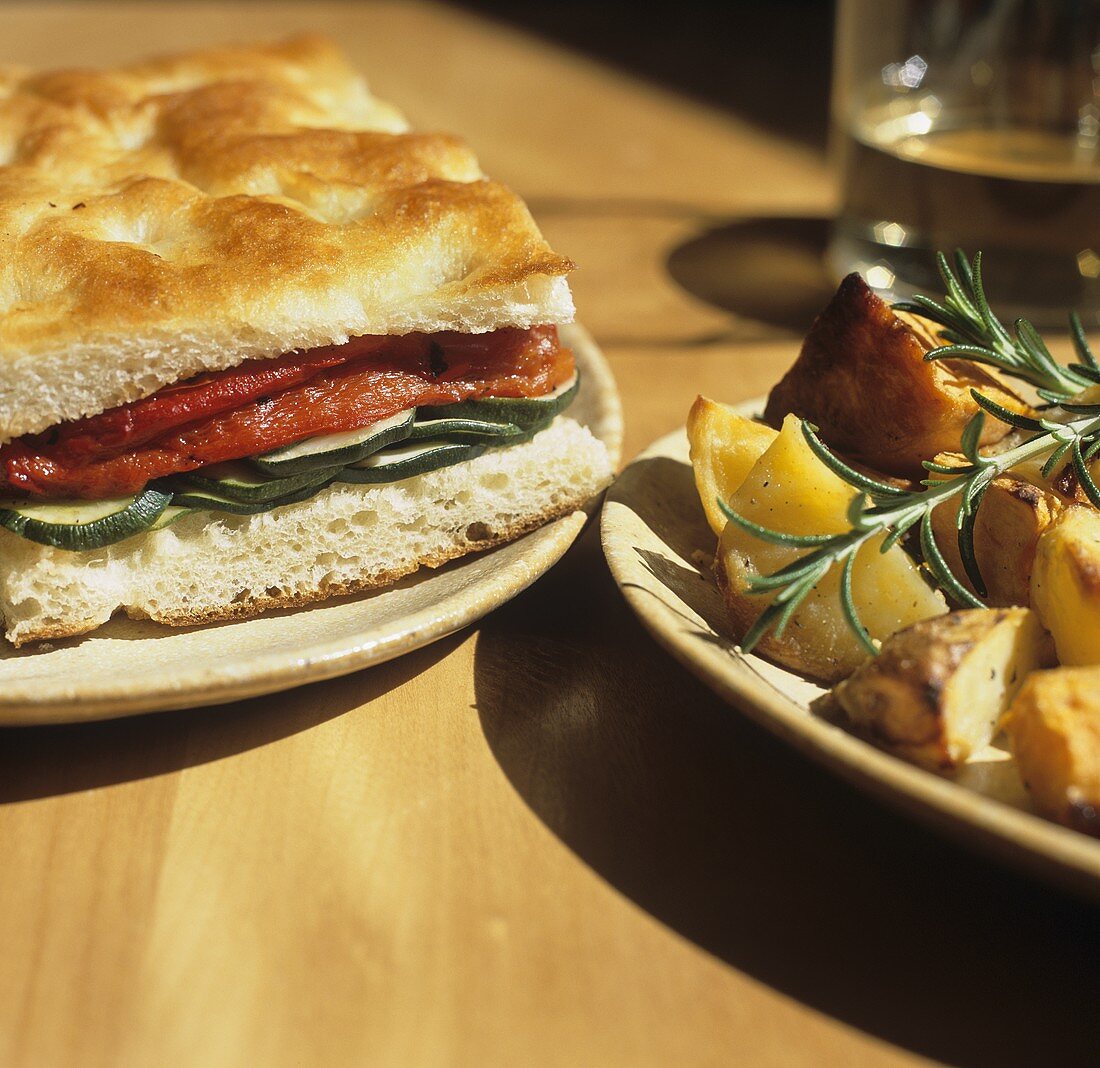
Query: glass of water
[(971, 124)]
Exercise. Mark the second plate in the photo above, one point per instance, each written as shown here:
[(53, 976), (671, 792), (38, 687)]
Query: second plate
[(659, 548)]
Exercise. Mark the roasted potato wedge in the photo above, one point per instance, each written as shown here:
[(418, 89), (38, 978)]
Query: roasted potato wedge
[(723, 447), (1065, 584), (861, 377), (1053, 728), (936, 692), (791, 490), (1012, 516)]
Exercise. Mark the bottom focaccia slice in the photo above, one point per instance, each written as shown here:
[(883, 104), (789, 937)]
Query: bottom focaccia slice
[(213, 566), (789, 489)]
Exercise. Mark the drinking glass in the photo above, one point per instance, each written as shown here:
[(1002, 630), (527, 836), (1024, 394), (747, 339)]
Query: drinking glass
[(971, 124)]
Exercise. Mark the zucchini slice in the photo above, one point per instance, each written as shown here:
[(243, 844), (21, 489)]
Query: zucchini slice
[(406, 460), (463, 430), (221, 502), (81, 525), (168, 517), (335, 450), (524, 412), (241, 481)]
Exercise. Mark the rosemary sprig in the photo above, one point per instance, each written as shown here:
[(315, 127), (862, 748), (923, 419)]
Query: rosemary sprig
[(974, 333), (885, 512), (881, 510)]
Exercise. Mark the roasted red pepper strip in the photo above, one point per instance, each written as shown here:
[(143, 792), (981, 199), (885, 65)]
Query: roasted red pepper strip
[(119, 452), (133, 424)]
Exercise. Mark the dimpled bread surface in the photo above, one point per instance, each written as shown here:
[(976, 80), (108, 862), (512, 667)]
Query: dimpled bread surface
[(191, 212)]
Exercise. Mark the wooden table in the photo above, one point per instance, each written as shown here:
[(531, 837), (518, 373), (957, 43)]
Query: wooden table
[(539, 841)]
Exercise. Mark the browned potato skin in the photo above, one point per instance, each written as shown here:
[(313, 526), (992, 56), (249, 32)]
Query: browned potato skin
[(903, 697), (861, 377), (1010, 519), (1069, 485), (1053, 728)]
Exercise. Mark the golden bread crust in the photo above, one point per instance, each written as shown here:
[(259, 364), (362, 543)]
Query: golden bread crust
[(190, 212)]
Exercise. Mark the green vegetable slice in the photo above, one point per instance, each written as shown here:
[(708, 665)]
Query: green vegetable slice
[(169, 516), (524, 412), (407, 460), (463, 431), (335, 450), (219, 502), (82, 525), (241, 481)]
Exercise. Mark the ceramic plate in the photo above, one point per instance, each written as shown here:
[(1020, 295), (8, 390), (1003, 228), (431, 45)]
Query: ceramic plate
[(130, 666), (659, 548)]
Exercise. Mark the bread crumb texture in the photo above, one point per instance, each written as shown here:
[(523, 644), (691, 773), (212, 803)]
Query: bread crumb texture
[(211, 566), (187, 213)]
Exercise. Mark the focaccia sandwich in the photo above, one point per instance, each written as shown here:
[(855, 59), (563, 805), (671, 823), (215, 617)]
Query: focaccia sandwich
[(260, 344)]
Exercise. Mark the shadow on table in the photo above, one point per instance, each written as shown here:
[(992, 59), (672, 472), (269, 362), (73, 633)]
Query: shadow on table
[(767, 63), (761, 858), (769, 269), (45, 761)]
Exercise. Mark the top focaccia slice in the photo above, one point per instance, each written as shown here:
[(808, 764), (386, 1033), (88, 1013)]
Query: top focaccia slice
[(192, 212)]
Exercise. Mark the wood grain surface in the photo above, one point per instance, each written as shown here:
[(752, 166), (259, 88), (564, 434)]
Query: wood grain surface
[(537, 842)]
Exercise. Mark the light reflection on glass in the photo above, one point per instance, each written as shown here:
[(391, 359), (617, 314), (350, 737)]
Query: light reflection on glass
[(891, 233), (879, 276), (1088, 263), (904, 76)]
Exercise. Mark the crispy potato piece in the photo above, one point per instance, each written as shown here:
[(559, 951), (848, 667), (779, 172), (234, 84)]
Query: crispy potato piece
[(861, 377), (936, 692), (1053, 728), (791, 490), (723, 447), (1012, 516), (1065, 584)]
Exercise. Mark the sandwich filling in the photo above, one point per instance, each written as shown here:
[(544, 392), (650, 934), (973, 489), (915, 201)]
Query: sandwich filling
[(265, 405)]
